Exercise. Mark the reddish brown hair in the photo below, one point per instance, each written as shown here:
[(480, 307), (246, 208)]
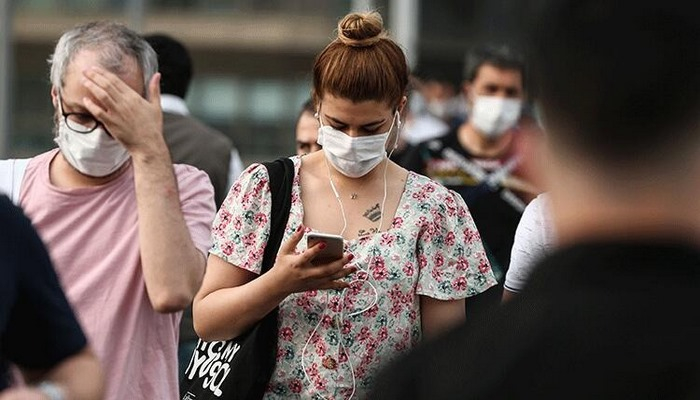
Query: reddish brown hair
[(362, 63)]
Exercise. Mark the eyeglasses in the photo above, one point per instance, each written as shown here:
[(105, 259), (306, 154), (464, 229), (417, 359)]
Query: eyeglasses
[(78, 122)]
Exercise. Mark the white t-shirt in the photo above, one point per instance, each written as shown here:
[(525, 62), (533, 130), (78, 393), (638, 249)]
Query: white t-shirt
[(534, 238)]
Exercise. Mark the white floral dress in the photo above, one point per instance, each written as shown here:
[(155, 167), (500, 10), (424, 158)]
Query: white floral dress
[(332, 343)]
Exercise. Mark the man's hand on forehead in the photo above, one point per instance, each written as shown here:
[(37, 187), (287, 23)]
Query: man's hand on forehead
[(133, 120)]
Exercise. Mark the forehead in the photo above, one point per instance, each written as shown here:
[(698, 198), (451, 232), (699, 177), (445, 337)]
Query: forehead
[(351, 112), (489, 74), (86, 59)]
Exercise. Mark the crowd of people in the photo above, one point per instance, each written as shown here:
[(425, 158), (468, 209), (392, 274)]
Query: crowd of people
[(488, 252)]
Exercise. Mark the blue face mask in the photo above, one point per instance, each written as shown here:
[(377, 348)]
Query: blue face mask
[(354, 157)]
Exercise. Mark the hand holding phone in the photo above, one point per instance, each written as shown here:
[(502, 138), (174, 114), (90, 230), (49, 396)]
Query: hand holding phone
[(333, 250)]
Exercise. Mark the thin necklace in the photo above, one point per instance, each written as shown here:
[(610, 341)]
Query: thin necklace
[(340, 202)]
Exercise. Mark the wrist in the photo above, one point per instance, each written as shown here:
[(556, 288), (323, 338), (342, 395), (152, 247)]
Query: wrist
[(51, 390), (275, 285), (150, 151)]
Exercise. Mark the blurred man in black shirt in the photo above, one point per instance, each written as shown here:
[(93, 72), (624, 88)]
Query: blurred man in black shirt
[(612, 313)]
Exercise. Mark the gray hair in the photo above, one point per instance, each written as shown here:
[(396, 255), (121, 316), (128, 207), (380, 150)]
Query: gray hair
[(113, 41)]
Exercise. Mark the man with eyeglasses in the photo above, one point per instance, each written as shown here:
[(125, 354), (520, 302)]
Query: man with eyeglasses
[(128, 230)]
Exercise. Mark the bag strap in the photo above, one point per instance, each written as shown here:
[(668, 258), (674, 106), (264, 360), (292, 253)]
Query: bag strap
[(281, 173), (11, 175)]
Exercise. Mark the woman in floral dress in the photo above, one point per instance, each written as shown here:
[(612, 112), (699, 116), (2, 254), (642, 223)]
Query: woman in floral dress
[(412, 251)]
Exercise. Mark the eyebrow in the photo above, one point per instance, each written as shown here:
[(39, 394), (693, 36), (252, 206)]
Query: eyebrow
[(74, 106), (339, 122)]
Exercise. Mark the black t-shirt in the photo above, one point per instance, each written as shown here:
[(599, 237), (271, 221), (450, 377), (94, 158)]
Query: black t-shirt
[(37, 326), (606, 320), (496, 211)]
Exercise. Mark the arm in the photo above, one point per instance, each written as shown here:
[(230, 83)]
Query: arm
[(172, 265), (78, 377), (231, 300), (508, 295), (528, 247), (438, 316)]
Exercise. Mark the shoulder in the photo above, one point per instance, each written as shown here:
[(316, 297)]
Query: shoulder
[(185, 171), (420, 182), (44, 157), (535, 208), (254, 177), (40, 161), (189, 177), (423, 184), (537, 215)]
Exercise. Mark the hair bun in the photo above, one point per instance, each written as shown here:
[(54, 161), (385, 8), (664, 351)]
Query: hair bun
[(361, 29)]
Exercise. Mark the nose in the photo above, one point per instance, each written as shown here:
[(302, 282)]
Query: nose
[(352, 132)]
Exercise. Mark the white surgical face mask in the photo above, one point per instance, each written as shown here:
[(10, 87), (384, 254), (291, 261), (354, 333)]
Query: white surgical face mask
[(94, 154), (354, 156), (493, 115)]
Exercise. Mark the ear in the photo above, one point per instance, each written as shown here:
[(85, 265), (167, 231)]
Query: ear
[(54, 97), (402, 105)]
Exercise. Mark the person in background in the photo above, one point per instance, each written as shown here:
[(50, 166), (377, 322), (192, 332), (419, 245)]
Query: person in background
[(425, 117), (127, 230), (480, 159), (189, 140), (38, 330), (307, 129), (611, 313), (411, 255)]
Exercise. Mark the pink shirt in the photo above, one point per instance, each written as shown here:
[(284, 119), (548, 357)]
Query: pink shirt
[(92, 237)]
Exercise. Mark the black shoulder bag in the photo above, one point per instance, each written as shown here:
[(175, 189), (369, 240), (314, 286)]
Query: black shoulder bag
[(240, 368)]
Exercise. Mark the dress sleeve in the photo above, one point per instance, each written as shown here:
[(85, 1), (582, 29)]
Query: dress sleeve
[(531, 243), (242, 226), (452, 261)]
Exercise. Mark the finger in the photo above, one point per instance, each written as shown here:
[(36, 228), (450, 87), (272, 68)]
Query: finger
[(290, 244), (312, 252), (332, 269), (102, 100), (100, 113), (106, 80), (338, 285), (345, 271), (154, 90), (99, 90)]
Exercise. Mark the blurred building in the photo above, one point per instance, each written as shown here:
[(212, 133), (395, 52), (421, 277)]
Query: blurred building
[(252, 58)]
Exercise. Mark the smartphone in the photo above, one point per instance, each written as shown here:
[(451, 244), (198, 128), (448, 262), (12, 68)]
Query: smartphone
[(333, 250)]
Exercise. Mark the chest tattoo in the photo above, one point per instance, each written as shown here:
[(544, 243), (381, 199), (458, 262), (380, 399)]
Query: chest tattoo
[(374, 213), (367, 232)]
